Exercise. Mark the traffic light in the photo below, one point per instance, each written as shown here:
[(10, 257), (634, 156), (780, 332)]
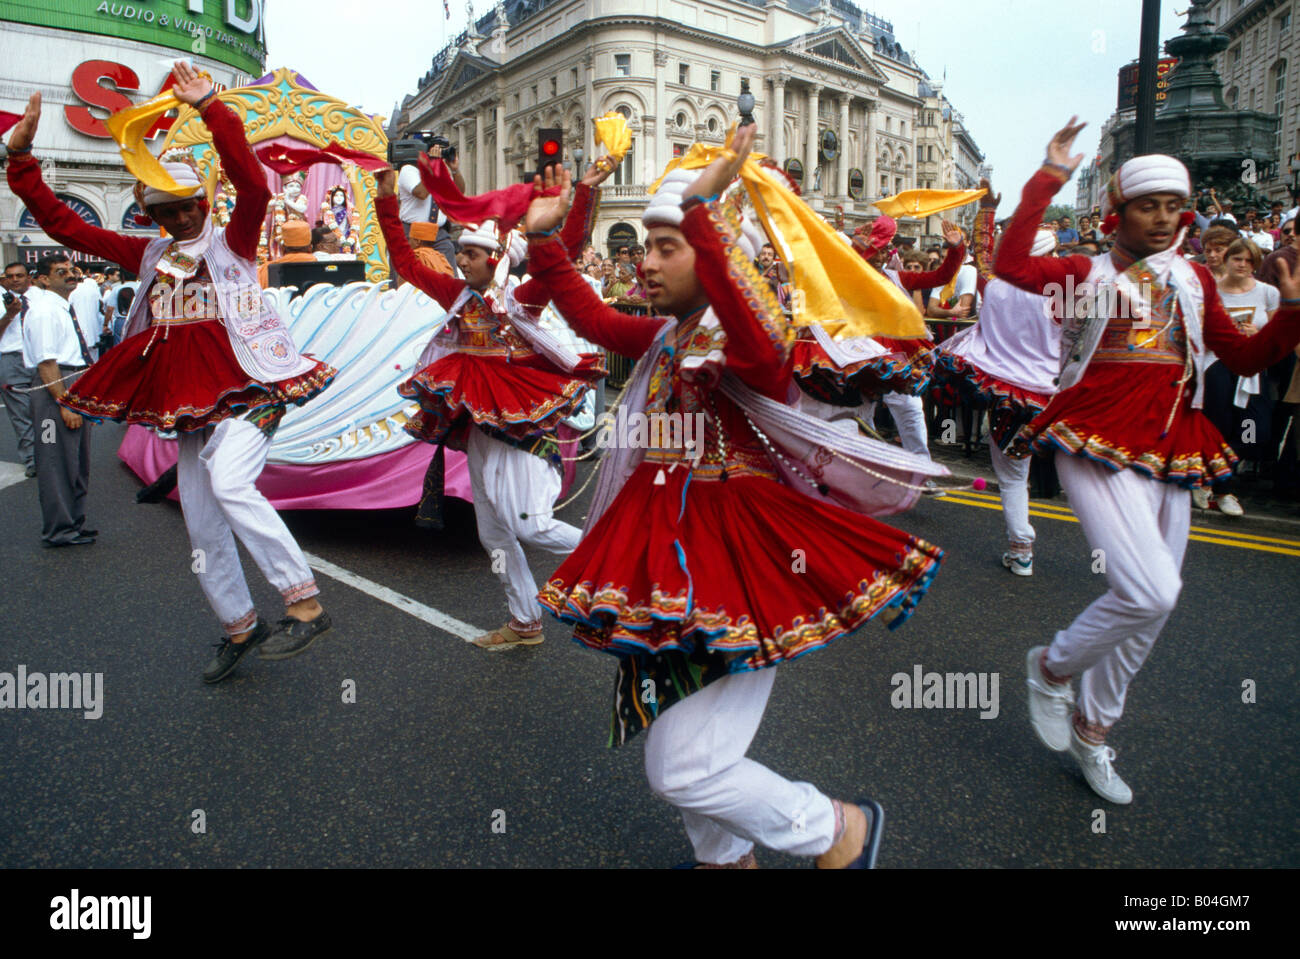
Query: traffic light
[(550, 148)]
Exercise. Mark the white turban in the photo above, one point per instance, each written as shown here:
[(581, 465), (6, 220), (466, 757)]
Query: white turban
[(484, 236), (1044, 242), (665, 206), (1140, 176), (516, 248), (184, 175), (751, 238)]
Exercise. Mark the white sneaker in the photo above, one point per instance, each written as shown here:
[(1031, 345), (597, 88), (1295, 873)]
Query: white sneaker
[(1096, 763), (1021, 567), (1229, 506), (1201, 497), (1050, 705)]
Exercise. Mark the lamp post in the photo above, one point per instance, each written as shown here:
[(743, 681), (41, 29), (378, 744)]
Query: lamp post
[(1149, 52), (746, 103)]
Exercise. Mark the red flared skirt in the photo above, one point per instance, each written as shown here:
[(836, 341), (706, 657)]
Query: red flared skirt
[(520, 400), (819, 376), (1009, 407), (1120, 416), (182, 377), (748, 568)]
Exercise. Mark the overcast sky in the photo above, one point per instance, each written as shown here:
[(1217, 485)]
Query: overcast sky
[(1016, 69)]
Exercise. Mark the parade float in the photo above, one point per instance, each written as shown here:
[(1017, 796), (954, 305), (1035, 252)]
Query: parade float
[(346, 449)]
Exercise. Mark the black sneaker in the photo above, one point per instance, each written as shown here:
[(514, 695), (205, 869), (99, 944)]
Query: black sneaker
[(293, 636), (229, 654)]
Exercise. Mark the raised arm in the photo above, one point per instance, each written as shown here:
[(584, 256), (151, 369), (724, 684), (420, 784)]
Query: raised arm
[(237, 160), (554, 278), (55, 218), (1248, 355), (582, 217), (942, 276), (1012, 262), (759, 340), (445, 289), (982, 238)]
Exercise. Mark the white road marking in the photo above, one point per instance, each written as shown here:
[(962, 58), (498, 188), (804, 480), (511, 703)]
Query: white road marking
[(428, 614), (11, 474)]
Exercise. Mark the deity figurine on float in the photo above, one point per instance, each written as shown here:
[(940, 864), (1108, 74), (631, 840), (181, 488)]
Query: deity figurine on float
[(336, 215)]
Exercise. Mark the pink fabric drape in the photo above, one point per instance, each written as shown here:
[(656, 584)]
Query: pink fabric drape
[(388, 481)]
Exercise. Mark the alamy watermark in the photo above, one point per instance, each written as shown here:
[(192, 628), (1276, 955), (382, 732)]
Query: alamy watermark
[(1072, 300), (922, 690), (652, 431), (197, 300), (24, 690)]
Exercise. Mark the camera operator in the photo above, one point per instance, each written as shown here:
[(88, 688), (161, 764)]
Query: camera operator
[(413, 200)]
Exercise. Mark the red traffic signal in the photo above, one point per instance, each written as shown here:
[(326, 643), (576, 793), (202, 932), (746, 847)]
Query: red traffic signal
[(550, 148)]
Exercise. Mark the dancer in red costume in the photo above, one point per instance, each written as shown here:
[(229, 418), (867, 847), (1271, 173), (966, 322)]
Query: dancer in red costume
[(1006, 364), (863, 368), (685, 570), (206, 357), (1127, 426), (494, 383)]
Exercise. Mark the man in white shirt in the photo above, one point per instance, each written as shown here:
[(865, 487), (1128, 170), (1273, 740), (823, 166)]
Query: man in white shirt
[(54, 347), (108, 299), (16, 376), (1256, 233), (414, 205), (88, 307)]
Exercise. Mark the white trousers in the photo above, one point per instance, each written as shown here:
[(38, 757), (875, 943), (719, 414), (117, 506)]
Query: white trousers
[(1141, 527), (1013, 490), (909, 417), (508, 483), (840, 417), (695, 759), (215, 476)]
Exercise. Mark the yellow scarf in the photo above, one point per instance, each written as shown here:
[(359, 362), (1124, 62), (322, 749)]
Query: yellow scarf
[(128, 128), (860, 301)]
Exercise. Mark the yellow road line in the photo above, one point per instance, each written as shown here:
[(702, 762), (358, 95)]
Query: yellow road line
[(1216, 537), (969, 496)]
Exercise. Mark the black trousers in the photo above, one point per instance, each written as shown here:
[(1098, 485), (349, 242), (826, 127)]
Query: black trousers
[(62, 464)]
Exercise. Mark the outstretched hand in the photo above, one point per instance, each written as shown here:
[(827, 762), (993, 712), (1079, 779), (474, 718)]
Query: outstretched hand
[(24, 131), (1288, 282), (952, 233), (385, 182), (1058, 148), (717, 176), (545, 213), (990, 200), (191, 86), (598, 172)]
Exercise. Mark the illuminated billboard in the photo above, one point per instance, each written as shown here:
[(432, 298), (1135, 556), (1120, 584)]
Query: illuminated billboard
[(229, 31)]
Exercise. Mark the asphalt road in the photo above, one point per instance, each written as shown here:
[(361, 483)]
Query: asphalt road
[(445, 741)]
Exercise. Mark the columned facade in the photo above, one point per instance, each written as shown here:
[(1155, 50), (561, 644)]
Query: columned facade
[(559, 63)]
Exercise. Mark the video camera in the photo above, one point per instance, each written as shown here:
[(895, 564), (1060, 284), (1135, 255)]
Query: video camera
[(408, 150)]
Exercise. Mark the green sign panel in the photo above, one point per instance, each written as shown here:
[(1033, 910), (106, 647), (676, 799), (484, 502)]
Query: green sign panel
[(229, 31)]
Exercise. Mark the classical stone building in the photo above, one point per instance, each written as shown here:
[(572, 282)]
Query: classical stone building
[(1255, 68), (838, 99)]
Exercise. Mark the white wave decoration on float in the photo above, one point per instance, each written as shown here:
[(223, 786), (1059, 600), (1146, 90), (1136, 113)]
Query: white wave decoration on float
[(373, 336)]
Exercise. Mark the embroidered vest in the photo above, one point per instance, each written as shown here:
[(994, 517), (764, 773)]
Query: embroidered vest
[(258, 336), (1083, 327)]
